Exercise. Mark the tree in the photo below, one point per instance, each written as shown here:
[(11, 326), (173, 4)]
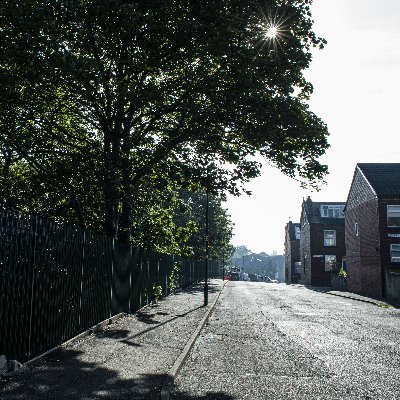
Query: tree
[(99, 96), (220, 226), (241, 251)]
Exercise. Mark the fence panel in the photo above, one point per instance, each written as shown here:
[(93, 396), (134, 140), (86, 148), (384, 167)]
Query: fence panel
[(96, 280), (17, 238), (56, 285), (121, 271), (136, 281), (57, 280)]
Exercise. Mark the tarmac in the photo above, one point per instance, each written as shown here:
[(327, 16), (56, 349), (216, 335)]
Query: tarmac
[(135, 357)]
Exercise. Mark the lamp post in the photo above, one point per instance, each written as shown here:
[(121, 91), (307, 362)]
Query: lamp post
[(207, 255)]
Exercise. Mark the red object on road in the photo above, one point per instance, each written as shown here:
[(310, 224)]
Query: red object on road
[(227, 277)]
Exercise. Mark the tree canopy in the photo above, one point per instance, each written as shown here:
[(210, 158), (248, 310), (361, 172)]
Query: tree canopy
[(104, 102)]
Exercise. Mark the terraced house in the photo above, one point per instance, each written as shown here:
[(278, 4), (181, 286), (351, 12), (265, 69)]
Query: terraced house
[(292, 252), (322, 244), (373, 230)]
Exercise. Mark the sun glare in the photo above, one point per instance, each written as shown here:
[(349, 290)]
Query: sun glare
[(271, 32)]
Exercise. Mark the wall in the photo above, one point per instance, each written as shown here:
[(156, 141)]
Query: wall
[(362, 251), (390, 271), (320, 277), (305, 252)]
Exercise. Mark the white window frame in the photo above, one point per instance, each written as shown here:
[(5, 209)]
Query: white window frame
[(326, 243), (387, 214), (297, 232), (395, 248), (356, 231), (327, 266), (332, 211)]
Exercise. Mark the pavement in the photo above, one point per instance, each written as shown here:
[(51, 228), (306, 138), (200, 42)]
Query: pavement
[(132, 358), (380, 302), (139, 356)]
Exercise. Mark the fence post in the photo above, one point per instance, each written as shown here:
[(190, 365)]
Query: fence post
[(112, 277), (130, 278), (35, 233), (81, 293)]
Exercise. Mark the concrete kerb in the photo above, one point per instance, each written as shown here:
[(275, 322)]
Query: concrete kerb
[(176, 367)]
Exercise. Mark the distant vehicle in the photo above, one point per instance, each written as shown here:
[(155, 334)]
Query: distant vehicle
[(235, 276), (269, 280), (253, 277), (245, 276)]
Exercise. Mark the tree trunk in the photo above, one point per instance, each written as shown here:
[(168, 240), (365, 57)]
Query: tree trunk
[(111, 185), (125, 223)]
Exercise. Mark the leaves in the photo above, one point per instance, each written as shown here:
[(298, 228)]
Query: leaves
[(110, 106)]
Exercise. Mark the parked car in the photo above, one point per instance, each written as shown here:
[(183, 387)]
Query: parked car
[(253, 277), (235, 276)]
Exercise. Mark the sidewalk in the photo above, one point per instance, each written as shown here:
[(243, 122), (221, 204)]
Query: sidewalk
[(130, 359), (354, 296)]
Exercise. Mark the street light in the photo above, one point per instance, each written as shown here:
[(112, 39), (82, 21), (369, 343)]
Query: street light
[(207, 255)]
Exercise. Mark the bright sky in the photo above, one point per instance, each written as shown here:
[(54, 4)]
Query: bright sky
[(356, 81)]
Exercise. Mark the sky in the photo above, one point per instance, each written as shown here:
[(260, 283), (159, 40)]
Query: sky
[(356, 80)]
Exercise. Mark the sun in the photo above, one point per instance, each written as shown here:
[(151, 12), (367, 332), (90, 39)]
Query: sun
[(272, 32)]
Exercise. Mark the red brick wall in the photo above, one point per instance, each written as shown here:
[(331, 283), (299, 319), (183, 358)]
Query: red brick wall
[(362, 252), (388, 268), (305, 252), (319, 276)]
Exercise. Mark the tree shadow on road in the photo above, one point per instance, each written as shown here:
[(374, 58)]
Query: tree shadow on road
[(68, 374)]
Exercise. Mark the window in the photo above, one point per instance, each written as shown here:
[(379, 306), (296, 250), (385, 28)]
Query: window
[(330, 238), (356, 229), (344, 264), (393, 215), (329, 211), (330, 262), (395, 253), (297, 267), (305, 264), (297, 232)]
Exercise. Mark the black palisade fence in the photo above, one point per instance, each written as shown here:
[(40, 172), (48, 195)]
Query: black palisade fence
[(58, 280)]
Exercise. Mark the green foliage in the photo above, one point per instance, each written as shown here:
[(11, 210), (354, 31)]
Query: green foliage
[(338, 270), (109, 108), (157, 292), (173, 278)]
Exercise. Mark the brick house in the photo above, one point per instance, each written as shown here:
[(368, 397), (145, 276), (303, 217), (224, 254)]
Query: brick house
[(373, 230), (292, 252), (321, 241)]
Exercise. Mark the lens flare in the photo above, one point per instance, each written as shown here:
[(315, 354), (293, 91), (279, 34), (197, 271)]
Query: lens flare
[(272, 32)]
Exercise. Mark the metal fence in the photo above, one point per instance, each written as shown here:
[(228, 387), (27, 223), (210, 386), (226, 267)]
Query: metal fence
[(57, 281)]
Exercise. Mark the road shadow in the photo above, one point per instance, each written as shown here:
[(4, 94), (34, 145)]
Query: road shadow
[(378, 301), (160, 324), (207, 396), (195, 290), (63, 375)]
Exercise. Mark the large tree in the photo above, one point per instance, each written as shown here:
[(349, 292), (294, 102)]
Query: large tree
[(99, 96)]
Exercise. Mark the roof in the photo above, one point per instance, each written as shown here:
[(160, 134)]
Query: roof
[(383, 177), (313, 212), (291, 229)]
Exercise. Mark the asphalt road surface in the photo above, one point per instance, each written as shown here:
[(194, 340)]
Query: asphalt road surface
[(274, 341)]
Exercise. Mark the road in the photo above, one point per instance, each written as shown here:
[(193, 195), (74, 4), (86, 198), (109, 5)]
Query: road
[(277, 341)]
